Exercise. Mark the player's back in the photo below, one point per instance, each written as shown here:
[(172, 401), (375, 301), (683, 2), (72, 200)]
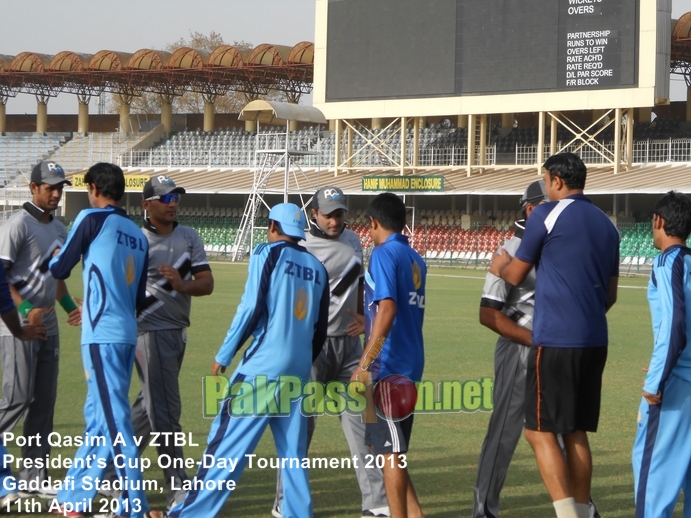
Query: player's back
[(669, 294), (293, 289), (115, 255), (579, 255), (396, 271)]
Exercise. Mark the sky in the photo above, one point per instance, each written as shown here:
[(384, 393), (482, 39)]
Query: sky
[(50, 26)]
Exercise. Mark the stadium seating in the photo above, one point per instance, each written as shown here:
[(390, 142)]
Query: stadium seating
[(84, 150), (19, 152)]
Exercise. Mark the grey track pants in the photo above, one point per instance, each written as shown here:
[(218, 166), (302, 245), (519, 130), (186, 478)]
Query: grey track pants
[(337, 361), (29, 389), (158, 406), (505, 426)]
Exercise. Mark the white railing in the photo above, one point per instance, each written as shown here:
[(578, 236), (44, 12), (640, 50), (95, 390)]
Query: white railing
[(644, 151)]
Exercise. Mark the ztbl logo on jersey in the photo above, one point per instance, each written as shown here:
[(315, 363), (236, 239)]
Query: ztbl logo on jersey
[(129, 270), (417, 275), (302, 302)]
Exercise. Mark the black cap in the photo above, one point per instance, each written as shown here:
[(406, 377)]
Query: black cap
[(48, 172), (535, 193), (160, 185), (329, 199)]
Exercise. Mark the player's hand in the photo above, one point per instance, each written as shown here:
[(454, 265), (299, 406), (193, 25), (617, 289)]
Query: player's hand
[(359, 375), (74, 317), (33, 332), (500, 259), (216, 368), (652, 399), (357, 326), (35, 316), (56, 252), (172, 275)]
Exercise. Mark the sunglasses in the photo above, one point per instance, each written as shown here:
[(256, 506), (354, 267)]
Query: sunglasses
[(166, 198)]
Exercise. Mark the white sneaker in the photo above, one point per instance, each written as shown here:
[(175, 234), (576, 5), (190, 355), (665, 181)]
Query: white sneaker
[(380, 512), (276, 512), (6, 500)]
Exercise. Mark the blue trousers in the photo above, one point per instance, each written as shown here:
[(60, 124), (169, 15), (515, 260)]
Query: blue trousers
[(234, 437), (662, 452), (5, 473), (108, 369)]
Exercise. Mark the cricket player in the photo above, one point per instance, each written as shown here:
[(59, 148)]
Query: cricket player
[(576, 249), (285, 309), (662, 451), (10, 317), (114, 253), (508, 311), (30, 368), (178, 271), (395, 308), (340, 251)]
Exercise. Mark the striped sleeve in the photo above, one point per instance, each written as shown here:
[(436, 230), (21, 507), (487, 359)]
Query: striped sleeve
[(250, 310), (668, 308)]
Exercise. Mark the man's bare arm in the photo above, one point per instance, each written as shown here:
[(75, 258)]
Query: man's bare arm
[(612, 292), (504, 326)]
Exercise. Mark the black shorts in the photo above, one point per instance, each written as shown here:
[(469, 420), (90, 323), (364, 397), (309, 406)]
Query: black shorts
[(386, 436), (563, 388)]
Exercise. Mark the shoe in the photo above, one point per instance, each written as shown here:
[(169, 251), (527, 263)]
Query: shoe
[(276, 512), (48, 494), (56, 508), (7, 499), (381, 512)]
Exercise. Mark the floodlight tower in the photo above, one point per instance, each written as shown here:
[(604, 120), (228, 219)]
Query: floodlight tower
[(273, 152)]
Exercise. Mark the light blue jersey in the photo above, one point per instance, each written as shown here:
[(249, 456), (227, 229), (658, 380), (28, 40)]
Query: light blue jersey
[(662, 451), (285, 308), (286, 299), (115, 254)]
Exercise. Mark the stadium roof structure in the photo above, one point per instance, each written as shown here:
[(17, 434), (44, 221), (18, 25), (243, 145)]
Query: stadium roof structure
[(681, 47), (640, 179), (254, 72)]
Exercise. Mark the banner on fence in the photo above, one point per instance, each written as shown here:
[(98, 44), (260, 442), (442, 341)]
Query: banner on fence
[(133, 182), (403, 183)]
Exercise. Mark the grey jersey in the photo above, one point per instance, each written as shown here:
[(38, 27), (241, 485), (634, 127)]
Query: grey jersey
[(26, 247), (165, 308), (342, 259), (516, 302)]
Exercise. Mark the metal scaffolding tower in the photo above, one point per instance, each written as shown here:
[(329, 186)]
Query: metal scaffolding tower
[(273, 154)]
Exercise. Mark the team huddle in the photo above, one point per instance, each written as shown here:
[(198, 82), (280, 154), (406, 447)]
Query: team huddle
[(307, 299)]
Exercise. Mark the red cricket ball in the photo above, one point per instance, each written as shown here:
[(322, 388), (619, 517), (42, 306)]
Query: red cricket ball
[(395, 397)]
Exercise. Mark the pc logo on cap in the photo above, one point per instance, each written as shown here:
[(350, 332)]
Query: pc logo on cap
[(48, 172), (159, 185), (291, 219), (329, 199)]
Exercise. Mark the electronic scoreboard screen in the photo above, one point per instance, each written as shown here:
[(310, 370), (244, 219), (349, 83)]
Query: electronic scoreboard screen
[(420, 48)]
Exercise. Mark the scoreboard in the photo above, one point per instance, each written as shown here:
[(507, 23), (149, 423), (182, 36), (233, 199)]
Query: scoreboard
[(379, 58)]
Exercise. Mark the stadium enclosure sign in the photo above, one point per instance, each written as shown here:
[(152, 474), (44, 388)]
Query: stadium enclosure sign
[(403, 183), (393, 58), (133, 182)]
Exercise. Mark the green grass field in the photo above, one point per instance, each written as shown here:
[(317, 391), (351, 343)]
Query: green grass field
[(445, 447)]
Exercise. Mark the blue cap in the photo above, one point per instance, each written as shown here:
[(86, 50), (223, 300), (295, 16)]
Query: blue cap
[(291, 219)]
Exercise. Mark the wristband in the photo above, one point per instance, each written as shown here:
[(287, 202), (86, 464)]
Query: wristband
[(25, 308), (67, 303)]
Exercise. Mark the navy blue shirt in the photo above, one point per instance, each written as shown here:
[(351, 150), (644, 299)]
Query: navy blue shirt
[(575, 248)]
